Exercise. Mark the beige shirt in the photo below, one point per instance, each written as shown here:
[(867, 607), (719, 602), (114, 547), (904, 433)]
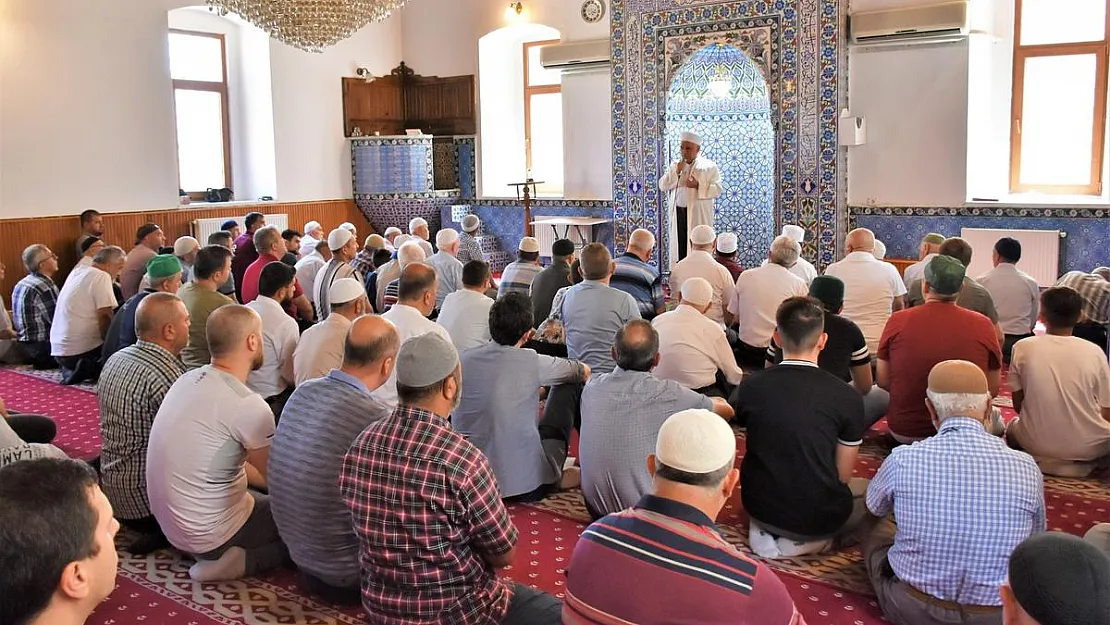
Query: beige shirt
[(1066, 381), (757, 297), (701, 264), (320, 349), (870, 286), (692, 347)]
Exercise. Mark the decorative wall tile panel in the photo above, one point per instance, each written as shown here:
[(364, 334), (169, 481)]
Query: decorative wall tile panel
[(397, 165)]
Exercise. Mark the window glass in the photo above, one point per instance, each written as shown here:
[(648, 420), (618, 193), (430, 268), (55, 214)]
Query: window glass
[(194, 57), (200, 139), (1062, 21)]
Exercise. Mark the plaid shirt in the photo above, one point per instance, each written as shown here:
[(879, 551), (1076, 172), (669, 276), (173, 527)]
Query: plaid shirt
[(132, 385), (469, 248), (33, 303), (1095, 292), (363, 262), (425, 506), (963, 501)]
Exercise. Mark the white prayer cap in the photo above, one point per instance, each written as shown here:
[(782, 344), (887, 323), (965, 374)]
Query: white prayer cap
[(312, 226), (879, 251), (529, 245), (338, 238), (727, 243), (416, 223), (345, 290), (702, 235), (691, 137), (410, 252), (697, 291), (185, 245), (470, 223), (401, 240), (795, 232), (695, 441), (445, 237), (392, 231), (350, 227)]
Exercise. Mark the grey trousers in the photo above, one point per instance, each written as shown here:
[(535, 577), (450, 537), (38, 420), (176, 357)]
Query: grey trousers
[(258, 537), (899, 603), (533, 607)]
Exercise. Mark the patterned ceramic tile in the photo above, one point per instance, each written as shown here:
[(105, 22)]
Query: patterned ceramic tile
[(392, 165), (901, 228)]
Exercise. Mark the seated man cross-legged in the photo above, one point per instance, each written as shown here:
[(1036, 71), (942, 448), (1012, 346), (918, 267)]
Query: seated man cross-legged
[(805, 427), (694, 349), (685, 570), (962, 501), (622, 412), (320, 421), (424, 504), (1061, 386), (210, 440), (500, 399)]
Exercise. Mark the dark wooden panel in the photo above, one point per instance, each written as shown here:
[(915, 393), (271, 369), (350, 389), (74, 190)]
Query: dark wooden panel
[(402, 100), (60, 233), (374, 107)]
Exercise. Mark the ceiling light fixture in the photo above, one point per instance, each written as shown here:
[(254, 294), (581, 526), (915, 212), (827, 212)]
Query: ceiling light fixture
[(310, 25)]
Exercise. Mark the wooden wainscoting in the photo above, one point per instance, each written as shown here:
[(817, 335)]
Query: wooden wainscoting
[(901, 264), (60, 233)]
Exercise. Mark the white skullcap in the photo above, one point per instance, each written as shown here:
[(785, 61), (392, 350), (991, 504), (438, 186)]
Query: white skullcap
[(312, 226), (529, 244), (695, 441), (416, 223), (691, 137), (410, 252), (879, 251), (470, 223), (702, 235), (727, 243), (401, 240), (795, 232), (184, 245), (392, 230), (338, 238), (697, 291), (345, 290), (445, 237), (346, 225)]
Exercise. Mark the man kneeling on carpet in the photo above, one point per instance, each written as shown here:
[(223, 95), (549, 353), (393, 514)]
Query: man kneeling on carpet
[(58, 560), (962, 500), (669, 545), (424, 502), (209, 442)]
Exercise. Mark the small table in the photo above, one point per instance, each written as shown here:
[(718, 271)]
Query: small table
[(578, 223)]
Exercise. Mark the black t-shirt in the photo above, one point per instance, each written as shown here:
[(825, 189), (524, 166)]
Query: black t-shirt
[(846, 348), (796, 416)]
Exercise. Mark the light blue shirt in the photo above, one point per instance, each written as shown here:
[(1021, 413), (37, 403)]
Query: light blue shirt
[(592, 314), (449, 270), (963, 501)]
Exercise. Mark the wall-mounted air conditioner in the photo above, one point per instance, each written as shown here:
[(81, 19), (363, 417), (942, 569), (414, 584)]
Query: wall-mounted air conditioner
[(931, 23), (575, 55)]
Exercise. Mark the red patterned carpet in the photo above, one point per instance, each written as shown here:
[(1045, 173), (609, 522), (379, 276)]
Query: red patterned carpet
[(829, 590)]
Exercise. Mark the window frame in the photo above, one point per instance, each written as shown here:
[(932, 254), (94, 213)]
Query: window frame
[(1022, 53), (533, 90), (206, 86)]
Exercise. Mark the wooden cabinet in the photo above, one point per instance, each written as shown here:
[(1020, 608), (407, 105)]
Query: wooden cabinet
[(391, 104)]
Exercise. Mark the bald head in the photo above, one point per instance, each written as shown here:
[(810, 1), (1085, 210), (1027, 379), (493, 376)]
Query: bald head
[(410, 253), (861, 240), (416, 281), (641, 240), (370, 341), (636, 346), (228, 328), (155, 312)]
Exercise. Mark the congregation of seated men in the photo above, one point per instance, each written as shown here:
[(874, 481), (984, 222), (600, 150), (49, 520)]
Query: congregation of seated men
[(365, 410)]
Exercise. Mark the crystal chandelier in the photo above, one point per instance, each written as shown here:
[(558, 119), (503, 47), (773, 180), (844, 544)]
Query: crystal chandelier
[(310, 25)]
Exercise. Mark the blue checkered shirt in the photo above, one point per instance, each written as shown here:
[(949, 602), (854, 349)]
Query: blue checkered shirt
[(33, 303), (469, 248), (963, 501)]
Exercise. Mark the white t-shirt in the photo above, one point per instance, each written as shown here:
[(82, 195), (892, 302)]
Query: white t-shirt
[(1066, 382), (870, 286), (198, 445), (701, 264), (757, 297), (410, 323), (465, 316), (75, 329), (279, 340)]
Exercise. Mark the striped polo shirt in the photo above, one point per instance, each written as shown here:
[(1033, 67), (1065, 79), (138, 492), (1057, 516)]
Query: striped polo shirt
[(641, 281), (665, 561)]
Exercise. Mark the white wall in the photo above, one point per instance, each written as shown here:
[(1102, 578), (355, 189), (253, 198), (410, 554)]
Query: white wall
[(457, 25), (86, 118)]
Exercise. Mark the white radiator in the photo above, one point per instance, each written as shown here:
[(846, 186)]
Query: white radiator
[(1040, 252), (202, 228), (545, 235)]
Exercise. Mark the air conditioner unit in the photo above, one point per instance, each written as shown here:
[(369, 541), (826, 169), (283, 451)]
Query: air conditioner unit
[(947, 21), (575, 55)]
